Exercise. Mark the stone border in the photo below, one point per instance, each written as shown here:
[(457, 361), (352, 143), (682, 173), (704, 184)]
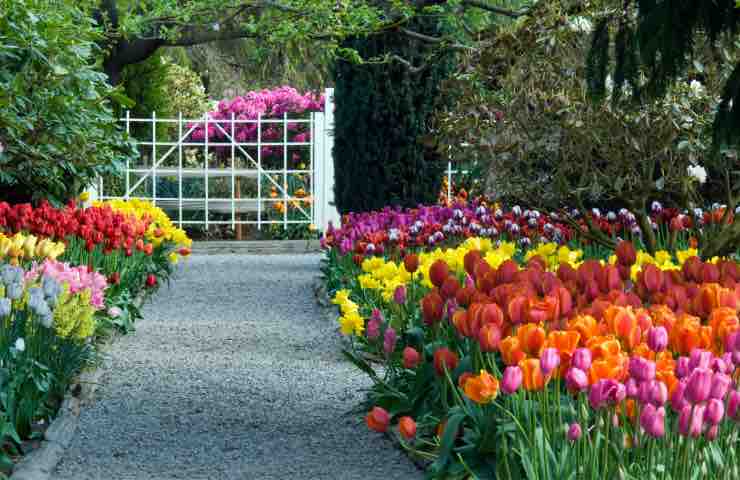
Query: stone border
[(256, 247)]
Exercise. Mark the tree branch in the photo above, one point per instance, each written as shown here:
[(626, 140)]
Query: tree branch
[(435, 40), (493, 9)]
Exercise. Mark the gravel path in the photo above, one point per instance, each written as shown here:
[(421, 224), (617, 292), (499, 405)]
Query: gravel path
[(234, 373)]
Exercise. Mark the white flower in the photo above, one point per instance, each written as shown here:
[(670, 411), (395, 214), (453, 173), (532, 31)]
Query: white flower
[(114, 312), (697, 89), (20, 345), (580, 24), (697, 172)]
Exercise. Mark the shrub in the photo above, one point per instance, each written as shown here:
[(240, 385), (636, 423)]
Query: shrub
[(57, 129), (382, 113)]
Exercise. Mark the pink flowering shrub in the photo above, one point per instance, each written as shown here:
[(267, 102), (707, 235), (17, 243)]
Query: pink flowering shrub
[(267, 104), (78, 278)]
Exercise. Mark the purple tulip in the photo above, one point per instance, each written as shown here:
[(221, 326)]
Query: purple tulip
[(657, 339), (632, 388), (684, 420), (714, 412), (652, 420), (641, 369), (373, 329), (682, 367), (699, 385), (733, 405), (576, 380), (678, 397), (549, 360), (377, 315), (389, 340), (399, 295), (511, 380), (658, 393), (731, 341), (574, 432), (697, 420), (700, 359), (720, 385), (581, 359), (606, 392)]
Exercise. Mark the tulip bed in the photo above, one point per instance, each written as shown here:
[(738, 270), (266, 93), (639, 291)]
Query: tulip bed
[(509, 359), (68, 278)]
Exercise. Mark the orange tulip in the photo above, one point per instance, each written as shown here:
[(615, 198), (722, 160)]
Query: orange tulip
[(643, 350), (622, 321), (687, 335), (566, 341), (532, 377), (489, 337), (663, 316), (723, 321), (482, 388), (608, 368), (511, 351), (407, 427), (531, 339), (604, 347), (585, 325)]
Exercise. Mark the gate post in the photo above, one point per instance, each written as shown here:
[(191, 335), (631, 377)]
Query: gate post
[(325, 210)]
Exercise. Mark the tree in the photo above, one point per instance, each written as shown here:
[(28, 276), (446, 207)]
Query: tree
[(654, 43), (134, 30)]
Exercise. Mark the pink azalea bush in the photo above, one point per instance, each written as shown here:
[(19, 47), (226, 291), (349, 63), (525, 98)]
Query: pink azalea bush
[(269, 104), (78, 278)]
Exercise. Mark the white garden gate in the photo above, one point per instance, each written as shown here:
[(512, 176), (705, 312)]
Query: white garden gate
[(233, 181)]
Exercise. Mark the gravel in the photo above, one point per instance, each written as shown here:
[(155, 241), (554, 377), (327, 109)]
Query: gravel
[(234, 373)]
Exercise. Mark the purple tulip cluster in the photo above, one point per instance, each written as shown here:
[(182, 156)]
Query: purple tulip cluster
[(373, 233), (705, 394)]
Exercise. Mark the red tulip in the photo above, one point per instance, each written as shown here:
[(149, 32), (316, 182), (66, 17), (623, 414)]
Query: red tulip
[(438, 273), (378, 419), (411, 358), (626, 254), (445, 358), (151, 280)]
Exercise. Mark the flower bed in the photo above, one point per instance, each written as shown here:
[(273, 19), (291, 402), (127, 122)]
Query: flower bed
[(545, 362), (68, 277)]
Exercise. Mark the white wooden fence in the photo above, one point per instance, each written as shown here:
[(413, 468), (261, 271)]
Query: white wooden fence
[(252, 190)]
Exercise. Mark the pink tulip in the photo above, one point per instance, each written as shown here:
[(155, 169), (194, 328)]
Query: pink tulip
[(733, 405), (720, 385), (657, 339), (714, 412), (700, 359), (641, 369), (389, 340), (682, 367), (678, 398), (697, 420), (652, 420), (684, 420), (699, 385), (399, 295), (574, 432), (549, 360), (581, 359), (511, 380), (576, 380), (373, 329)]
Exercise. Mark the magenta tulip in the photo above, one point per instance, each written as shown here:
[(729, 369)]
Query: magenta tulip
[(714, 412), (574, 432), (576, 380), (641, 369)]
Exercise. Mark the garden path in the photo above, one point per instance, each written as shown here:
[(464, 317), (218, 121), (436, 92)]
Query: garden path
[(234, 373)]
